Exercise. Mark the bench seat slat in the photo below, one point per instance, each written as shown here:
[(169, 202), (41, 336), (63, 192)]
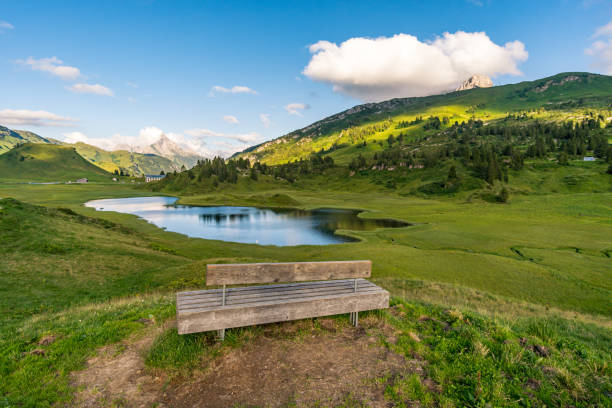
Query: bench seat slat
[(263, 291), (264, 299), (248, 288), (279, 311)]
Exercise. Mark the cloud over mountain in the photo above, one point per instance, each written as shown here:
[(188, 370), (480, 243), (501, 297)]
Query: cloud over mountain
[(230, 119), (95, 89), (237, 89), (295, 108), (53, 66), (39, 118), (601, 49), (265, 120), (5, 25), (375, 69), (203, 142)]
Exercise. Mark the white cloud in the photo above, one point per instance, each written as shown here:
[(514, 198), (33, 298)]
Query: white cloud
[(374, 69), (604, 31), (295, 108), (95, 89), (241, 137), (40, 118), (601, 50), (231, 119), (238, 89), (132, 85), (204, 142), (74, 137), (53, 66), (5, 25), (265, 119)]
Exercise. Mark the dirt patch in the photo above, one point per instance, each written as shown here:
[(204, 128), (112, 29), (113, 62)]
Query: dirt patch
[(319, 367), (117, 376), (287, 364)]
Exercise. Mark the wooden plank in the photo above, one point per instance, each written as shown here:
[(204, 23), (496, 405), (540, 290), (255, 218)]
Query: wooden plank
[(281, 296), (271, 294), (240, 316), (261, 287), (232, 274), (268, 290)]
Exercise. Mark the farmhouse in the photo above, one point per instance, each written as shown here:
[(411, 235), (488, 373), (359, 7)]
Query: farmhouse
[(82, 180), (154, 177)]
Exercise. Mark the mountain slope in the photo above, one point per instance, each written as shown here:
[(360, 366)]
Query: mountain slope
[(167, 148), (122, 160), (557, 97), (39, 162), (9, 138)]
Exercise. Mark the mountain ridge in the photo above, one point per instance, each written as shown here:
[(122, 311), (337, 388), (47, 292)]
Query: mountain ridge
[(43, 162), (149, 161), (564, 89), (165, 147)]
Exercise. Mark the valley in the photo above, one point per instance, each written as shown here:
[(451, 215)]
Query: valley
[(500, 281)]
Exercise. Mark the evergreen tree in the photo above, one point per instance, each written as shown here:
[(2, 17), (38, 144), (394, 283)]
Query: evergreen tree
[(504, 195), (452, 173)]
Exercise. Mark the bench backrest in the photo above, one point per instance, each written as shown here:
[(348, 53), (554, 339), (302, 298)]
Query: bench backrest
[(234, 274)]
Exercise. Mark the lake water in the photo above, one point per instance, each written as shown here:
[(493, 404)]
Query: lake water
[(282, 227)]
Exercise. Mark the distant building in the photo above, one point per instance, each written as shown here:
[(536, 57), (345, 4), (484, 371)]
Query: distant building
[(154, 177), (588, 158), (82, 180)]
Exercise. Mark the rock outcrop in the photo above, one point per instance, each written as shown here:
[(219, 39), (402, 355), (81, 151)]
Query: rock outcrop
[(475, 81)]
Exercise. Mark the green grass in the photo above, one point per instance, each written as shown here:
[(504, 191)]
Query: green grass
[(536, 264), (467, 359), (38, 162), (561, 100), (481, 362)]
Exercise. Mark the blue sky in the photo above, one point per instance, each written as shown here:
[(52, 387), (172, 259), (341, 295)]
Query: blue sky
[(120, 73)]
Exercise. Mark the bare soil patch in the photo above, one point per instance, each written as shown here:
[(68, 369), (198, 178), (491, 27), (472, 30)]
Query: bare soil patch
[(287, 364), (117, 376)]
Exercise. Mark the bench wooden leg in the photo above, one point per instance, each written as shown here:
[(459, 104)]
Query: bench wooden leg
[(221, 334)]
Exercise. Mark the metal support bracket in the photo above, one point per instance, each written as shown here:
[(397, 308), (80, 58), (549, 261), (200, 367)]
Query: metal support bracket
[(221, 332)]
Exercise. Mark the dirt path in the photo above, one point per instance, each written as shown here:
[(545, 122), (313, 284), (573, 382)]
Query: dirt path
[(117, 376), (326, 367)]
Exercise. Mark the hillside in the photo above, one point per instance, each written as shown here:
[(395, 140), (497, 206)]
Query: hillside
[(125, 161), (41, 162), (10, 138), (563, 96), (160, 156), (481, 143)]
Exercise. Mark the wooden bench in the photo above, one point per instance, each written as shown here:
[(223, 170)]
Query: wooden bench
[(324, 289)]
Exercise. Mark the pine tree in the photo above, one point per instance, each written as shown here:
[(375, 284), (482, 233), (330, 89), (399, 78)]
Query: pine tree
[(452, 173), (504, 195)]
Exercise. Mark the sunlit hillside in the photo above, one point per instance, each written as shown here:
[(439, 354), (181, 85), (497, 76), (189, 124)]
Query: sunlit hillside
[(566, 96)]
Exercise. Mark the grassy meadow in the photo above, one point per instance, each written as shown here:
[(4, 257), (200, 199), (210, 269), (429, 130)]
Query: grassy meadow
[(501, 285), (505, 277)]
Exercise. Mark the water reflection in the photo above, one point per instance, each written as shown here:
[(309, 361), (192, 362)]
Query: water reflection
[(282, 227)]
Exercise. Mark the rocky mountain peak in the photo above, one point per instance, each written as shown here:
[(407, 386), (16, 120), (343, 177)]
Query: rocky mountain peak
[(475, 81)]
